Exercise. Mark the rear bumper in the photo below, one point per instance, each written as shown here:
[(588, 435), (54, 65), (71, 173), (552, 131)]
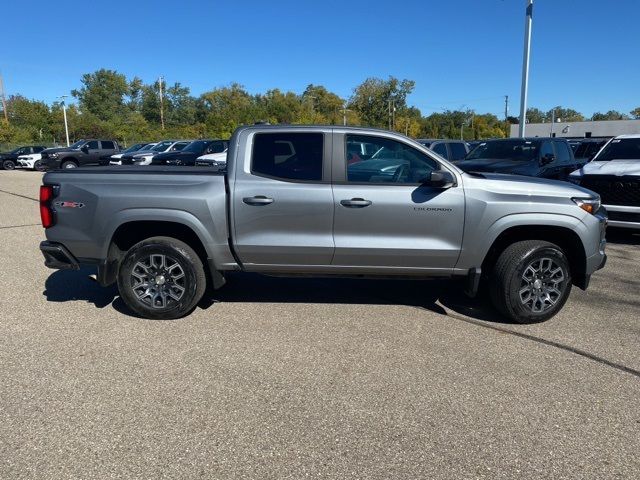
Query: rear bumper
[(58, 257)]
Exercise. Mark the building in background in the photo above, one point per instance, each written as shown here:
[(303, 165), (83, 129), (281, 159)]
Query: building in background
[(605, 128)]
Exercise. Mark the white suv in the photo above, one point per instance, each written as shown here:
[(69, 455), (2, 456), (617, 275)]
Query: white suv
[(614, 173)]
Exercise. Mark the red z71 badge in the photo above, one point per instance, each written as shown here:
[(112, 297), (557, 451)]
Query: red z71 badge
[(69, 204)]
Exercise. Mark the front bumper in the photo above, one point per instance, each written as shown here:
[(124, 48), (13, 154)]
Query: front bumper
[(624, 217), (57, 256)]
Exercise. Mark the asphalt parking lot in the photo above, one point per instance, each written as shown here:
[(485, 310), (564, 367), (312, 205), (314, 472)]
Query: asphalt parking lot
[(277, 378)]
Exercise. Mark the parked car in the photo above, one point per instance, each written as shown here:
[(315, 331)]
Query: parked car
[(164, 231), (82, 153), (136, 147), (212, 160), (534, 157), (452, 150), (145, 157), (588, 148), (9, 160), (187, 156), (614, 173), (33, 161)]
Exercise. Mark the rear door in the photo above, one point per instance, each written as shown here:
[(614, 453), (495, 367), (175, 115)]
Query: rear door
[(386, 220), (108, 148), (282, 205)]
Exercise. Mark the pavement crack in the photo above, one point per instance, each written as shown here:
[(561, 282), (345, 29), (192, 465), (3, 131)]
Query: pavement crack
[(21, 196), (550, 343), (18, 226)]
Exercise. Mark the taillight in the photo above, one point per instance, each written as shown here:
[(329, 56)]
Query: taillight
[(47, 216)]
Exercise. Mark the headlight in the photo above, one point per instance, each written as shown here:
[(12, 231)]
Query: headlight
[(53, 155), (589, 205)]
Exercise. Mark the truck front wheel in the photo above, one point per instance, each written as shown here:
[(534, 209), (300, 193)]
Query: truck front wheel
[(161, 278), (531, 281)]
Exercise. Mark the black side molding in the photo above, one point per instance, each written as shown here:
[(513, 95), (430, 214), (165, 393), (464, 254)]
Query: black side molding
[(58, 257)]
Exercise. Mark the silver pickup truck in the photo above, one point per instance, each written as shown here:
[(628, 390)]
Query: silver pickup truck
[(323, 201)]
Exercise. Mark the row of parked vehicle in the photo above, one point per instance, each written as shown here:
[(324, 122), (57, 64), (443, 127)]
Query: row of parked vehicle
[(92, 152)]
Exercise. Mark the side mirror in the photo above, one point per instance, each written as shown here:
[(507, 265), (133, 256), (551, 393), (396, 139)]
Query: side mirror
[(440, 179), (548, 158)]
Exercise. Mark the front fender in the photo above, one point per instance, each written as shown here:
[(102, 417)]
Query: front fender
[(476, 245)]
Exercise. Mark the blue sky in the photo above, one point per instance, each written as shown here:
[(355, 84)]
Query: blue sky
[(461, 53)]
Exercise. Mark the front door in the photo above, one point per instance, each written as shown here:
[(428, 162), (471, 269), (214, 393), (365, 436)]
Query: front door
[(283, 202), (92, 154), (386, 218)]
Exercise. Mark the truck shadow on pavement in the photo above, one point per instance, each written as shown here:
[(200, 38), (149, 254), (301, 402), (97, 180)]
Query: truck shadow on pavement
[(431, 295), (76, 285)]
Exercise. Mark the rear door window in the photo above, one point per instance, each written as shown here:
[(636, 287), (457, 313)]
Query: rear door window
[(458, 151), (562, 152), (440, 149), (108, 145), (288, 156)]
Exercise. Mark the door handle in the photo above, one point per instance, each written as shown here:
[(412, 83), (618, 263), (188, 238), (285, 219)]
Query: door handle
[(258, 200), (355, 203)]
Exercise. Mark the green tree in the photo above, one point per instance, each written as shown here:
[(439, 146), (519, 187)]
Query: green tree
[(565, 114), (374, 99), (635, 113), (610, 115), (535, 115), (103, 94)]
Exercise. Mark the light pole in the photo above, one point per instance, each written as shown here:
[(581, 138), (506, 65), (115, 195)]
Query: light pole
[(525, 68), (64, 114)]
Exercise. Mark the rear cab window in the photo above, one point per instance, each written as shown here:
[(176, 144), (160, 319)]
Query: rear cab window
[(288, 156)]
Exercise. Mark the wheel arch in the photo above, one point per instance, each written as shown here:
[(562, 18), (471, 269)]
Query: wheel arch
[(565, 237), (133, 226)]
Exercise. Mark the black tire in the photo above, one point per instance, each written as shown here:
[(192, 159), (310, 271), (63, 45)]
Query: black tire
[(39, 166), (528, 271), (8, 165), (69, 164), (156, 304)]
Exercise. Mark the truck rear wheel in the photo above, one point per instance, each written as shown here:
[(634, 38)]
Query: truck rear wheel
[(161, 278), (531, 281)]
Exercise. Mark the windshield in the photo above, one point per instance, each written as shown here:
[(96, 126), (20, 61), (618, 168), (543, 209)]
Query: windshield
[(78, 144), (196, 147), (620, 149), (521, 150), (135, 148), (161, 147)]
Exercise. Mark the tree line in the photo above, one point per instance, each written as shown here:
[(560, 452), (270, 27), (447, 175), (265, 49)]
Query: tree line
[(108, 105)]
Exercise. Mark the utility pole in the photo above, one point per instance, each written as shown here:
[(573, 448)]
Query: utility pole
[(553, 120), (393, 115), (525, 68), (64, 114), (389, 101), (344, 114), (161, 101), (506, 108), (4, 100)]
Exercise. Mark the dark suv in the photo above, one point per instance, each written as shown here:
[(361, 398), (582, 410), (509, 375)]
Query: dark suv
[(534, 157), (187, 156), (452, 150), (83, 152), (9, 160)]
